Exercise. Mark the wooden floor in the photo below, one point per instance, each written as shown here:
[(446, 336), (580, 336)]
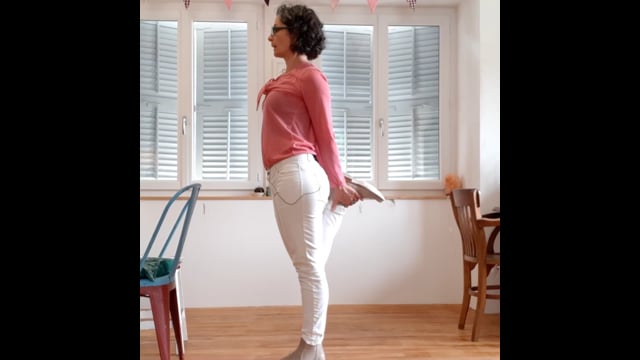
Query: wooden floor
[(354, 332)]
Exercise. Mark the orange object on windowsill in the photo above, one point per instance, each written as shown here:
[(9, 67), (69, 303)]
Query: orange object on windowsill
[(451, 182)]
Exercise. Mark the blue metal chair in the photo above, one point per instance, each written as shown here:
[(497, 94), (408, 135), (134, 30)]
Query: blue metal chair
[(158, 272)]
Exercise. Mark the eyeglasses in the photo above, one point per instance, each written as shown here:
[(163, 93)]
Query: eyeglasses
[(275, 29)]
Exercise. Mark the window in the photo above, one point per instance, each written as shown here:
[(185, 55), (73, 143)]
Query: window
[(158, 100), (347, 62), (221, 117), (413, 103), (389, 75)]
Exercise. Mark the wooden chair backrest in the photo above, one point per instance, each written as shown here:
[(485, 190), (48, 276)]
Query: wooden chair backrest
[(466, 210)]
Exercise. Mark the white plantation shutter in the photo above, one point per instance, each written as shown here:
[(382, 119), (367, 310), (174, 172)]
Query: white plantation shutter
[(395, 135), (158, 100), (347, 63), (413, 98), (222, 129)]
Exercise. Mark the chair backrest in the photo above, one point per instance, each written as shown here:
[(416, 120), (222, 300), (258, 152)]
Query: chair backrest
[(466, 210), (174, 226)]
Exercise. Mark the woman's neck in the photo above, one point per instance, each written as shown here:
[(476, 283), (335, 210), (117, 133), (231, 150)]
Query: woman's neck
[(295, 61)]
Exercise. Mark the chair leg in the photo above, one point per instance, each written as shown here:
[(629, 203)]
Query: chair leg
[(175, 320), (480, 305), (466, 297), (159, 299)]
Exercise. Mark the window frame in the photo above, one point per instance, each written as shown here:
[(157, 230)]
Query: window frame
[(165, 12), (446, 21), (203, 12), (241, 12), (385, 16), (259, 20)]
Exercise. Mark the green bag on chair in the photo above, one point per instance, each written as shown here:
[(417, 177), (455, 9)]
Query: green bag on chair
[(155, 267)]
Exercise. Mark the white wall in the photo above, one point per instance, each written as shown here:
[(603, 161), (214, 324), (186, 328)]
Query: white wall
[(403, 251), (479, 105), (407, 251)]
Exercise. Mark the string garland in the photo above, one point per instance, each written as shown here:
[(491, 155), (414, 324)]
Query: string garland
[(334, 3)]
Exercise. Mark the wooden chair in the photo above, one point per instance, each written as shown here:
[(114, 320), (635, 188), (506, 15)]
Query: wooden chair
[(158, 272), (476, 251)]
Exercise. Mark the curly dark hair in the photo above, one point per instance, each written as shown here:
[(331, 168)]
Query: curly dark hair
[(306, 28)]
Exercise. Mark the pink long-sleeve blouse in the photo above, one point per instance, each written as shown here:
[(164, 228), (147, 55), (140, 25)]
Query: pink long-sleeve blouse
[(297, 120)]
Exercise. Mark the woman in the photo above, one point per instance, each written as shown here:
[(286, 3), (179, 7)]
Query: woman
[(299, 151)]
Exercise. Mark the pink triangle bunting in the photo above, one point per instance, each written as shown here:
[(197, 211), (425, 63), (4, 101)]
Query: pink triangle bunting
[(334, 4), (228, 3), (372, 5)]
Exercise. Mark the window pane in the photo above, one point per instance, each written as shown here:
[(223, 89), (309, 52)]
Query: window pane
[(347, 63), (158, 100), (413, 96), (221, 87)]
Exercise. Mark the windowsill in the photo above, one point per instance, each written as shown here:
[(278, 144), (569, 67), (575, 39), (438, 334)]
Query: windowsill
[(210, 197), (389, 195)]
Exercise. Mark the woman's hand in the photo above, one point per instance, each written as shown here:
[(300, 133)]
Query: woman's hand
[(344, 195)]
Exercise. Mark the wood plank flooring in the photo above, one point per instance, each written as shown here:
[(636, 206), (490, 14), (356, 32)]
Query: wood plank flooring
[(354, 332)]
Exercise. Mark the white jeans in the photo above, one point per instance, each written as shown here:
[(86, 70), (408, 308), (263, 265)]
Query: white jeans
[(300, 190)]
